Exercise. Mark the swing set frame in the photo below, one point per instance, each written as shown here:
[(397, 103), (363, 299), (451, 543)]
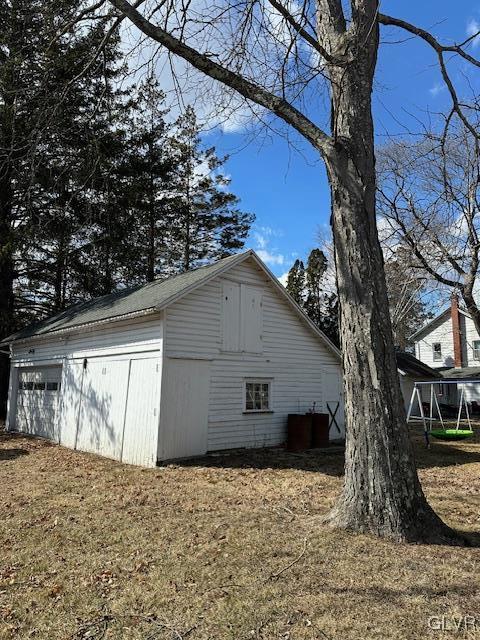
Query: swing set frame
[(427, 421)]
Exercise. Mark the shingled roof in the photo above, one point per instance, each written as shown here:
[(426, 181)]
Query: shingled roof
[(413, 367), (150, 297)]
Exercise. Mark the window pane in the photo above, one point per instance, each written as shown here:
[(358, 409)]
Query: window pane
[(249, 397), (52, 386), (39, 386), (28, 385), (265, 394), (257, 396)]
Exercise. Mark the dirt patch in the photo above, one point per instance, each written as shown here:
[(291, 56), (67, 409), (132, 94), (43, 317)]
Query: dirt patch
[(228, 547)]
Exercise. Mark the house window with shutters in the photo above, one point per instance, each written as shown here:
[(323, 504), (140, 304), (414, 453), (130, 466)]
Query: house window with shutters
[(242, 318)]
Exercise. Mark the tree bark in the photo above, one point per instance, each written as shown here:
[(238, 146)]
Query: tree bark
[(382, 492)]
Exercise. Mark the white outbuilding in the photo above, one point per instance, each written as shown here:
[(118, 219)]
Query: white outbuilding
[(215, 358)]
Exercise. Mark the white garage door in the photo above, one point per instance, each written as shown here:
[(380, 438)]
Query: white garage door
[(114, 406), (102, 409), (37, 401)]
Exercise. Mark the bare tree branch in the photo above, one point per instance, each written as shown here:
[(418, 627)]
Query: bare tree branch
[(280, 107)]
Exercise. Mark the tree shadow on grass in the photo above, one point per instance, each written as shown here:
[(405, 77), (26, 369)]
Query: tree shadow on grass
[(12, 454), (331, 460)]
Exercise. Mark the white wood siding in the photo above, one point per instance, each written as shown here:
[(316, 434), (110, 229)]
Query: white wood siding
[(128, 336), (184, 408), (469, 336), (140, 434), (293, 357), (103, 407), (440, 332)]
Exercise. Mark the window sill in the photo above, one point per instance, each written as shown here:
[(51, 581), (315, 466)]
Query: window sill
[(257, 411)]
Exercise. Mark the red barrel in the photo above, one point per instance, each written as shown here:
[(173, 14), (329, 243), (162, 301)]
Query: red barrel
[(320, 430), (299, 431)]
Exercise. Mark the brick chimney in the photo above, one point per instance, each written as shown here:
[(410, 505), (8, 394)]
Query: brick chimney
[(457, 336)]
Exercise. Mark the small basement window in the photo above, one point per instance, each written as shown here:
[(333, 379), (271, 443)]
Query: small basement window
[(39, 386), (437, 351), (476, 349), (258, 395)]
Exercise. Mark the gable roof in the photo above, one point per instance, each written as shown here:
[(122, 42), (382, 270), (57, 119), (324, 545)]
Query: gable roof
[(150, 298), (409, 365), (444, 314)]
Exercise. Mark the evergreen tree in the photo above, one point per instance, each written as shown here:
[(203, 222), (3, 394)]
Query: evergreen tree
[(329, 322), (314, 276), (207, 224), (27, 110), (307, 288), (296, 282), (151, 193)]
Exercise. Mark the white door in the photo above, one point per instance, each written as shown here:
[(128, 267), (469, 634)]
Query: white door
[(184, 408), (102, 407), (333, 401), (140, 438), (37, 401)]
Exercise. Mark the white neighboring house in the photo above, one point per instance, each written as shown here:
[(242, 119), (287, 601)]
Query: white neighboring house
[(450, 344), (211, 359)]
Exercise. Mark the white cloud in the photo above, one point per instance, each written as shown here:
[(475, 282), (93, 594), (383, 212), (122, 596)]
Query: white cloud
[(437, 88), (283, 278), (262, 237), (473, 27), (270, 258)]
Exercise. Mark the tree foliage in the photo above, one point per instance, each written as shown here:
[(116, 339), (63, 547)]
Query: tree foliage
[(100, 186), (310, 289)]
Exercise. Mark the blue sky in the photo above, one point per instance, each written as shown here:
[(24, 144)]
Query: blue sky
[(287, 190)]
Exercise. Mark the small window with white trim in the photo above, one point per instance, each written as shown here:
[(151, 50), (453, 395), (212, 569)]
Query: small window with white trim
[(437, 351), (476, 349), (258, 395)]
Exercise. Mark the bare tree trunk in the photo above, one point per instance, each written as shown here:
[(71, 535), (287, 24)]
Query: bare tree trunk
[(382, 493)]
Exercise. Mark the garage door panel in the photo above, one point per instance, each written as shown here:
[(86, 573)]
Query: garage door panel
[(37, 401), (141, 418), (102, 411)]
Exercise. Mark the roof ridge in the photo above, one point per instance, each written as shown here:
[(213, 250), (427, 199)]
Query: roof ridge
[(124, 302)]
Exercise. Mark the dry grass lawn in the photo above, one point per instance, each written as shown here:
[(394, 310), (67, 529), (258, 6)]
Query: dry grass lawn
[(229, 547)]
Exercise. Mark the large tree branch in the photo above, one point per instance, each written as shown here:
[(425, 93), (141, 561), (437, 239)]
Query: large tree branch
[(431, 40), (440, 50), (248, 89)]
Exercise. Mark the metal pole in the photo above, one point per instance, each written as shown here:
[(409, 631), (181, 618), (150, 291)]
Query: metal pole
[(425, 431), (439, 412), (410, 406), (468, 414), (460, 409)]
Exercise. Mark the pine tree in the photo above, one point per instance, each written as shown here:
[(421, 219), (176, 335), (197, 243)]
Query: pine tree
[(307, 288), (314, 276), (151, 190), (207, 224), (27, 109), (296, 282)]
